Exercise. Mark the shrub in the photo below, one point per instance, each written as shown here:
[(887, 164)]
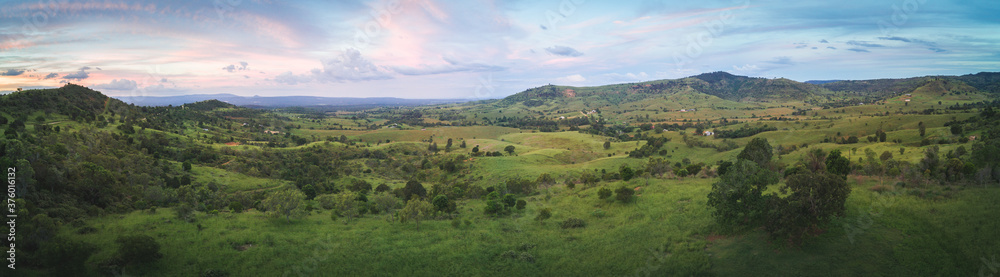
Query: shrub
[(573, 223), (138, 249), (184, 212), (544, 214), (603, 193), (624, 194), (509, 200), (326, 201), (521, 204), (236, 207)]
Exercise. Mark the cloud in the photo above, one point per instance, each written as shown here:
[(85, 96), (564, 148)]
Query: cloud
[(98, 68), (859, 50), (12, 72), (627, 77), (931, 45), (784, 60), (823, 41), (118, 84), (78, 75), (831, 47), (289, 78), (564, 51), (233, 68), (864, 44), (350, 66), (51, 75), (453, 65), (746, 69), (543, 27), (575, 78), (895, 38)]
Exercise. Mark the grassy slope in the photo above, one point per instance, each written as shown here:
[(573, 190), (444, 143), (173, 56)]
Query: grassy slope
[(667, 230)]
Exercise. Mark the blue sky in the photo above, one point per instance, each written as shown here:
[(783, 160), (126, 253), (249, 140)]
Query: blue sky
[(477, 49)]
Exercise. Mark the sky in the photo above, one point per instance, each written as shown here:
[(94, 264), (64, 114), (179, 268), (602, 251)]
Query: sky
[(477, 49)]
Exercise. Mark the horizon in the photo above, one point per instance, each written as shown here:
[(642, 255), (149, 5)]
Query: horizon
[(140, 97), (454, 50)]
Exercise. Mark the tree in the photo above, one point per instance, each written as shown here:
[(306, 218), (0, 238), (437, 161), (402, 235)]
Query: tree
[(923, 129), (886, 155), (607, 145), (385, 203), (724, 167), (693, 169), (815, 199), (138, 249), (309, 191), (443, 204), (433, 147), (838, 164), (624, 194), (463, 144), (626, 172), (475, 149), (509, 149), (187, 166), (509, 200), (284, 201), (603, 193), (447, 146), (956, 129), (346, 205), (758, 151), (738, 197), (881, 136), (545, 179), (236, 207), (413, 188), (416, 210), (521, 204)]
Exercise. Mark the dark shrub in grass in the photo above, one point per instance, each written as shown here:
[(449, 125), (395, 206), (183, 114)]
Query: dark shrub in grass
[(573, 223)]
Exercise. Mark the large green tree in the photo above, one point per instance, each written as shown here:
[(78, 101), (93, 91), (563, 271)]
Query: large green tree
[(814, 199), (838, 164), (738, 197), (758, 151)]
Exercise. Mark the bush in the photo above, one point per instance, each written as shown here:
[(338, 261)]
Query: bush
[(326, 201), (624, 194), (603, 193), (236, 207), (521, 204), (184, 212), (544, 214), (138, 249), (573, 223), (509, 200)]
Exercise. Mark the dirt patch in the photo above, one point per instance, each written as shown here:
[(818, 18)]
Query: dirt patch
[(569, 93), (232, 143), (713, 238)]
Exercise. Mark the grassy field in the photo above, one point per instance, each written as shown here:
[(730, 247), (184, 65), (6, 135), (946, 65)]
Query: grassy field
[(666, 231)]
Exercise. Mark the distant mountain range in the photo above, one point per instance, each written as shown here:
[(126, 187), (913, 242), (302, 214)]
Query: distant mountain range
[(750, 89), (820, 82), (284, 101)]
